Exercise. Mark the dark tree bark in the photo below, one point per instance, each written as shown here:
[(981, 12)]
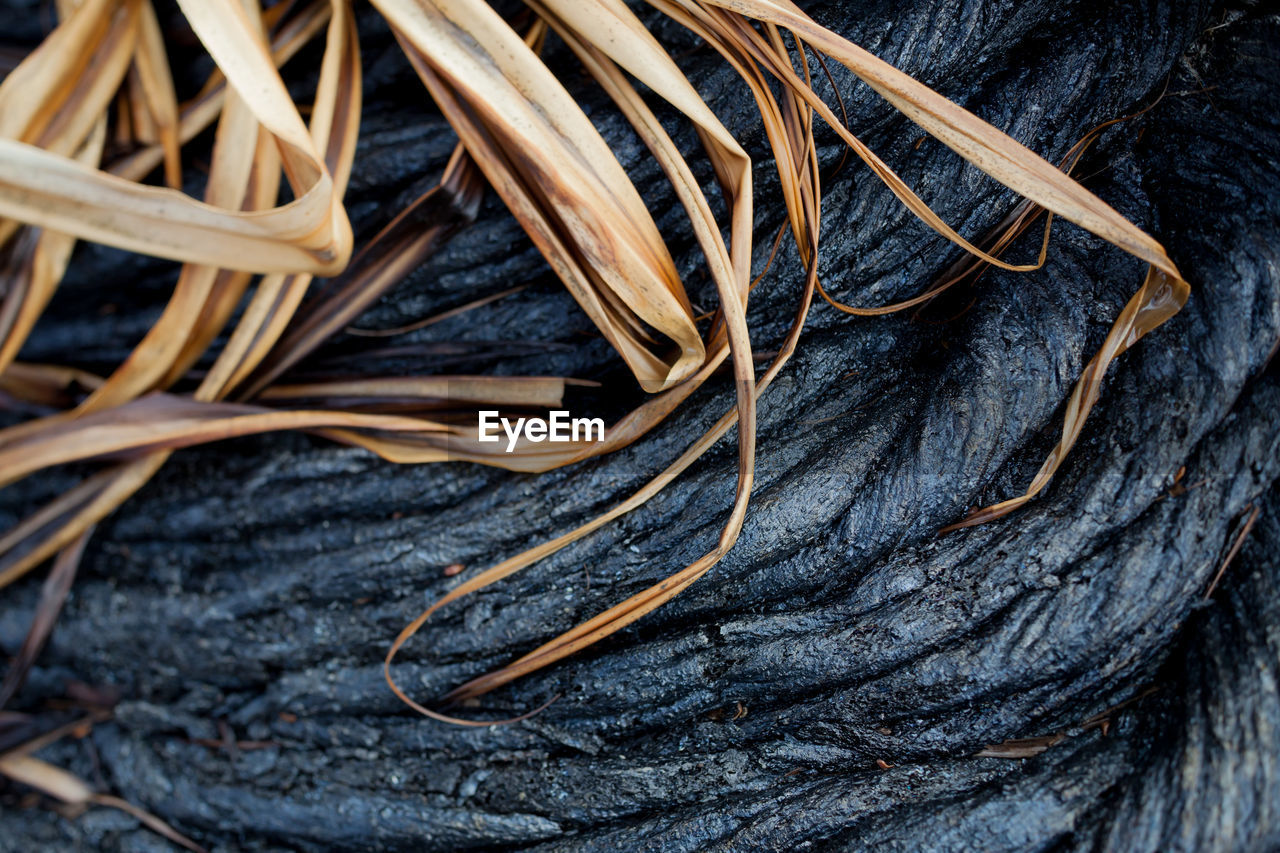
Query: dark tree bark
[(259, 582)]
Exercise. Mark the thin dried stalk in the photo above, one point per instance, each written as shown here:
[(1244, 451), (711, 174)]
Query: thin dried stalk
[(72, 790), (52, 596)]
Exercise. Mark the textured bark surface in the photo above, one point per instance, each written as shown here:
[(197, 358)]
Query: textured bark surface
[(259, 582)]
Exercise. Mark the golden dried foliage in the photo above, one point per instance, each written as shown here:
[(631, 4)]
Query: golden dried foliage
[(521, 133)]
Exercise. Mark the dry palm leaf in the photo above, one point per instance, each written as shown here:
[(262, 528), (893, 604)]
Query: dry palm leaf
[(790, 134), (56, 99), (519, 129), (555, 172), (161, 421), (1007, 161), (244, 174), (287, 38), (1163, 292), (44, 187)]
